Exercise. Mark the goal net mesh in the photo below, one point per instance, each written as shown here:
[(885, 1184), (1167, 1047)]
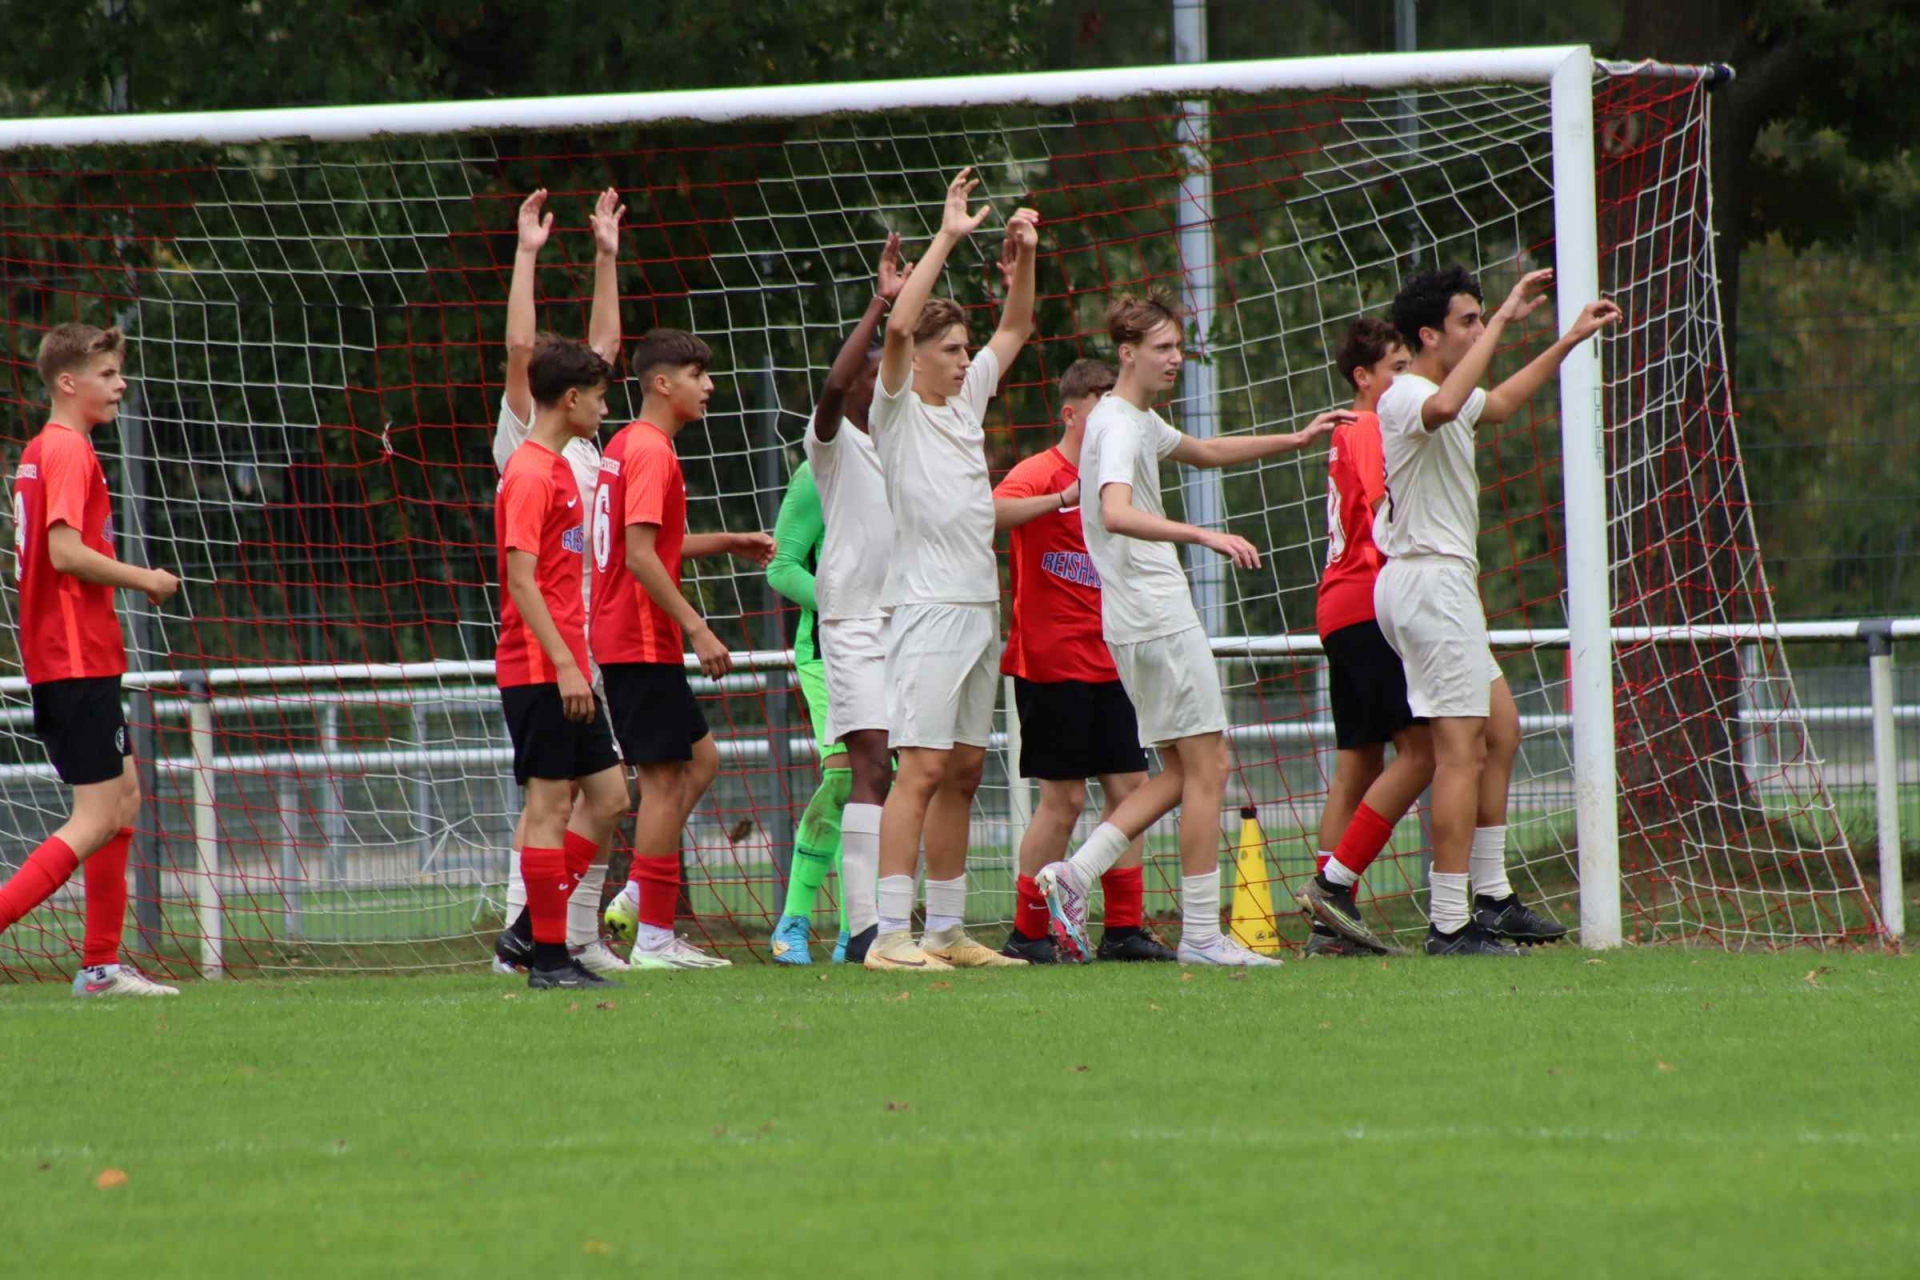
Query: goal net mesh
[(317, 355)]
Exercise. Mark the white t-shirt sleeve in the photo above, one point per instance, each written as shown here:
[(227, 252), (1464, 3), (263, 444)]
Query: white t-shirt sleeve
[(508, 436), (1399, 409), (1469, 416), (983, 379), (889, 407), (1119, 453), (1161, 436)]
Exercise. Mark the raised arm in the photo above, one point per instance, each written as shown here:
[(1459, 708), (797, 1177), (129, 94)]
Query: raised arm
[(534, 229), (1444, 405), (1228, 451), (1017, 255), (831, 406), (603, 326), (956, 224), (1507, 399), (1120, 516)]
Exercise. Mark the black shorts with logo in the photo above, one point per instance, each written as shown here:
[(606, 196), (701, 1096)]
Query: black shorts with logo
[(655, 715), (547, 745), (1073, 729), (83, 727), (1368, 685)]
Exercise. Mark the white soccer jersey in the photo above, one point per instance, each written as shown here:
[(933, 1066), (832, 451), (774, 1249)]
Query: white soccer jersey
[(937, 488), (852, 571), (1143, 589), (1433, 492), (582, 455)]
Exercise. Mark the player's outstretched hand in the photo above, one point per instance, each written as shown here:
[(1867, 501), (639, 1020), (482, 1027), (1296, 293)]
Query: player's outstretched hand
[(1239, 550), (956, 221), (1023, 236), (605, 221), (893, 273), (534, 229), (1527, 295), (757, 547), (1593, 317), (1322, 426), (161, 586), (576, 696), (715, 661)]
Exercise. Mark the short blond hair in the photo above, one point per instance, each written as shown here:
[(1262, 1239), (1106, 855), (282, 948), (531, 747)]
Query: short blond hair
[(71, 347), (1131, 316), (939, 315)]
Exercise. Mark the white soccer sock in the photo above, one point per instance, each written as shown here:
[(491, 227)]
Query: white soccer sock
[(583, 908), (896, 902), (651, 937), (630, 894), (946, 903), (1096, 857), (1487, 862), (1340, 873), (1447, 901), (860, 864), (516, 888), (1200, 908)]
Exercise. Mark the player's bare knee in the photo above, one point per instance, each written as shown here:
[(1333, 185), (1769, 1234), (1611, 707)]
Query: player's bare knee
[(1063, 799), (965, 767)]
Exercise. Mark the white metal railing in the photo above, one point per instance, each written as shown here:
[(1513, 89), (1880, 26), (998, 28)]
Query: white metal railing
[(424, 684)]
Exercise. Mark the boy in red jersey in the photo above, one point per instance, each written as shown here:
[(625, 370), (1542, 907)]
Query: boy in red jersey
[(71, 647), (1366, 681), (1076, 721), (559, 736), (641, 623)]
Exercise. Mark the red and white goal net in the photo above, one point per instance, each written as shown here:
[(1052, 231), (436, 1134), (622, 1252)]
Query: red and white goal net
[(316, 346)]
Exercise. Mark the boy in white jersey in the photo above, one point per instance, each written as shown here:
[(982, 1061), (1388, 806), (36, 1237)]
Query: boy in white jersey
[(848, 584), (942, 587), (1427, 597), (515, 945), (1147, 615)]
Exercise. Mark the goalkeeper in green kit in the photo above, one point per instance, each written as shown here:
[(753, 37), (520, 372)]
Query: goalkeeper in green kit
[(798, 535)]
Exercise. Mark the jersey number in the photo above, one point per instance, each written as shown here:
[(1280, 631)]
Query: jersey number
[(602, 526), (1336, 533)]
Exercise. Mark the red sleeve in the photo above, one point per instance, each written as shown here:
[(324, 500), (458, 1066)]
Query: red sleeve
[(1021, 482), (526, 495), (64, 475), (1369, 463), (648, 473)]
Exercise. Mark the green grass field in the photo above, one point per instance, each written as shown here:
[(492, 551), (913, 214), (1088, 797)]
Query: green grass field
[(1650, 1113)]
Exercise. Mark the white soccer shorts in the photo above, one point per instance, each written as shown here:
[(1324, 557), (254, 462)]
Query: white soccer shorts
[(854, 652), (1174, 684), (1430, 612), (943, 674)]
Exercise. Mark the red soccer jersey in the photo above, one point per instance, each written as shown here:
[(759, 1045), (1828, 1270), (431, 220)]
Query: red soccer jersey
[(1056, 590), (538, 511), (1356, 479), (68, 629), (640, 483)]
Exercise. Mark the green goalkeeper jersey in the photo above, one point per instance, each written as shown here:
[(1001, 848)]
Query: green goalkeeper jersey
[(798, 536)]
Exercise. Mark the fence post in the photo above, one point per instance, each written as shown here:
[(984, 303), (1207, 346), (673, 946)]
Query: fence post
[(1886, 775), (148, 918), (206, 826)]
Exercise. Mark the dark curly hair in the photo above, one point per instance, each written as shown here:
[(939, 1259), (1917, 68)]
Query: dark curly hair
[(1424, 300)]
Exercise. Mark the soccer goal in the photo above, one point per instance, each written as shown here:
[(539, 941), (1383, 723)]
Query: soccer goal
[(315, 300)]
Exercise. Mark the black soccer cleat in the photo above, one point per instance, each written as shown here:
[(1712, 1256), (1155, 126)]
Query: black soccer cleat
[(1332, 906), (1133, 945), (571, 976), (1322, 941), (512, 950), (1514, 920), (1469, 940), (1041, 950), (858, 944)]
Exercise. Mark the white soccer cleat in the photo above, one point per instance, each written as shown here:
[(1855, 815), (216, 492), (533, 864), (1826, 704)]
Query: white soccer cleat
[(1225, 951), (1066, 910), (598, 957), (675, 953), (116, 980)]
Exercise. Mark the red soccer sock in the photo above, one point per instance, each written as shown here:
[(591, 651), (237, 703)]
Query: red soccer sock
[(1320, 861), (1030, 909), (1363, 840), (106, 881), (1126, 893), (549, 885), (45, 870), (659, 881), (580, 853)]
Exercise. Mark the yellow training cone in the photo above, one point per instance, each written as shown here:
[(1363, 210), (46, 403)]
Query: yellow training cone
[(1253, 926)]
